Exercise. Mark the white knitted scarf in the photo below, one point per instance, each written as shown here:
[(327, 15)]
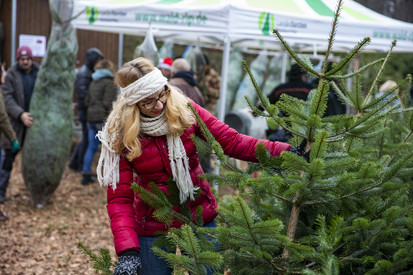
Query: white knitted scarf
[(158, 126), (108, 166)]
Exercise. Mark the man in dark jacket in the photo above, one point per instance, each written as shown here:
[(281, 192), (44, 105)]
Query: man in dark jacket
[(17, 89), (83, 79), (297, 86), (184, 79)]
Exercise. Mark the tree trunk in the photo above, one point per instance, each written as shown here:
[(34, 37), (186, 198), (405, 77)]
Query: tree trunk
[(292, 227)]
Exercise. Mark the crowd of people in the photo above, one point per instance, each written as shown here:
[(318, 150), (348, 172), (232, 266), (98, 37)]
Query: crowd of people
[(145, 135)]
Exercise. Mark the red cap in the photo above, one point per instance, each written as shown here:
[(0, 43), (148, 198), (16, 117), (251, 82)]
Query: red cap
[(166, 63), (24, 51)]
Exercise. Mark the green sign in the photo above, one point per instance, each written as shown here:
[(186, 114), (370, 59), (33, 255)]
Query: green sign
[(92, 14), (266, 23)]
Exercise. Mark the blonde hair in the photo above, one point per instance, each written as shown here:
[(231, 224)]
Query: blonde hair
[(105, 64), (180, 64), (123, 122)]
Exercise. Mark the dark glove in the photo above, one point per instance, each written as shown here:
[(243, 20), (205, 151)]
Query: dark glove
[(16, 145), (300, 150), (129, 263)]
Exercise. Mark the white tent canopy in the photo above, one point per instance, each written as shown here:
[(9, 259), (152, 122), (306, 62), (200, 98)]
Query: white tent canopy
[(304, 24)]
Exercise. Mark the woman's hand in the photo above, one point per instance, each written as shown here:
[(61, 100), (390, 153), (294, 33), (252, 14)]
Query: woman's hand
[(129, 263), (300, 150)]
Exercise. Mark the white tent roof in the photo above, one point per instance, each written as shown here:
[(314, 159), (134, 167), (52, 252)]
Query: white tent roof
[(305, 24)]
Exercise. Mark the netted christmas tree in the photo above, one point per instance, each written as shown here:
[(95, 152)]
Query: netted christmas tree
[(47, 143), (346, 210)]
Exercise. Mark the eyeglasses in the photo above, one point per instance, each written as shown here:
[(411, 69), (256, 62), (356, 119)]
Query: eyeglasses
[(162, 98)]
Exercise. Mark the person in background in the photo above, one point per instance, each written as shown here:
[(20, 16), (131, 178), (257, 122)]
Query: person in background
[(17, 90), (7, 130), (165, 65), (99, 99), (296, 86), (183, 78), (82, 81), (385, 87), (212, 83), (2, 78), (147, 138), (334, 105)]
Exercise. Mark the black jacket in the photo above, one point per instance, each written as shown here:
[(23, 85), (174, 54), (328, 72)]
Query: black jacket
[(298, 89), (84, 76), (15, 101)]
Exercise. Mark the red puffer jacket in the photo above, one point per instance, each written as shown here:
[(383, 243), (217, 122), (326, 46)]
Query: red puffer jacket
[(130, 216)]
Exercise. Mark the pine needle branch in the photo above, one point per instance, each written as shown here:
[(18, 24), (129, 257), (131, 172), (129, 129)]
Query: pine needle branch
[(217, 149), (365, 118), (281, 198), (101, 263), (387, 177), (357, 72), (343, 95), (408, 136), (332, 35), (285, 126), (264, 100), (295, 56), (390, 222), (246, 218), (373, 85), (348, 57)]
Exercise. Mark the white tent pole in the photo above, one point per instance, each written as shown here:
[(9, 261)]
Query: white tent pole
[(284, 67), (120, 50), (13, 32), (224, 79), (223, 92)]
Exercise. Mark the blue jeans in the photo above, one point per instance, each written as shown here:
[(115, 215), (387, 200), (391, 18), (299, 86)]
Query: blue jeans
[(76, 160), (92, 146), (151, 263)]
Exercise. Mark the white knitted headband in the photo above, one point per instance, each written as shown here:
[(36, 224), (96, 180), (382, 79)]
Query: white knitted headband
[(144, 87)]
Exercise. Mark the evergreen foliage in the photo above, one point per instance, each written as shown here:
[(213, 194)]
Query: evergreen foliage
[(358, 180), (167, 206), (196, 252), (348, 210), (101, 263)]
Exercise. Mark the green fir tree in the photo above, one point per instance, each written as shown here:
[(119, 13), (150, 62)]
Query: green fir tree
[(348, 210)]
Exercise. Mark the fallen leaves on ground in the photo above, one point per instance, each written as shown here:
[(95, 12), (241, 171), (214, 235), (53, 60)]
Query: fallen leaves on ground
[(44, 241)]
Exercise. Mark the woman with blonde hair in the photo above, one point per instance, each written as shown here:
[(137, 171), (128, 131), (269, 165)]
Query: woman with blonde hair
[(147, 134)]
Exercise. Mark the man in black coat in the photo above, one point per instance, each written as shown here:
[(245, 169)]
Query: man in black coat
[(297, 86), (17, 90), (83, 79)]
